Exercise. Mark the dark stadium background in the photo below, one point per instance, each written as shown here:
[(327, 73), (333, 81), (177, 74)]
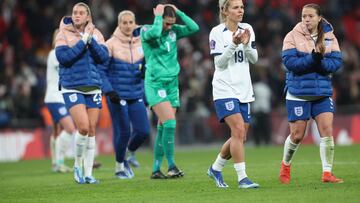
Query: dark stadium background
[(26, 28)]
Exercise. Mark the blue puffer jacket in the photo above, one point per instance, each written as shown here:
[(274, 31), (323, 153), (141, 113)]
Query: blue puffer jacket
[(304, 77), (123, 72), (79, 62)]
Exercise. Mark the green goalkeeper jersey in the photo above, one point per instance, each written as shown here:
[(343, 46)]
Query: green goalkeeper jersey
[(160, 48)]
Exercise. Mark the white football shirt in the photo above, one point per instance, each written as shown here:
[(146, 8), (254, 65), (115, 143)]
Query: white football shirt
[(53, 95), (232, 76)]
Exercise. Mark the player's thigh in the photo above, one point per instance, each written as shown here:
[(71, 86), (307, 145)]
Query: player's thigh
[(324, 122), (79, 114), (93, 114), (164, 111), (138, 116), (155, 93), (173, 93), (235, 122), (76, 104), (323, 113), (297, 129), (67, 124)]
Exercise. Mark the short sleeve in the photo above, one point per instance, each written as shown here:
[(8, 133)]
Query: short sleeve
[(216, 43)]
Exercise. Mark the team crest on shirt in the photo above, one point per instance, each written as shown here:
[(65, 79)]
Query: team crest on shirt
[(172, 35), (298, 110), (162, 93), (73, 97), (229, 105), (62, 110), (212, 44)]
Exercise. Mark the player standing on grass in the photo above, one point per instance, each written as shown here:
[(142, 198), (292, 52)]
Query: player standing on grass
[(124, 87), (310, 54), (63, 126), (161, 79), (80, 48), (232, 44)]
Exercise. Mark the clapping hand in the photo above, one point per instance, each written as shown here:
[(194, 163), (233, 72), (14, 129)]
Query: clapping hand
[(241, 37)]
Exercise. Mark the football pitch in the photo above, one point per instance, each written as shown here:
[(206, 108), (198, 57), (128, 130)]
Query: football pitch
[(33, 181)]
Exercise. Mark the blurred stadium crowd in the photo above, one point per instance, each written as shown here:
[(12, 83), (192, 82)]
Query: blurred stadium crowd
[(26, 28)]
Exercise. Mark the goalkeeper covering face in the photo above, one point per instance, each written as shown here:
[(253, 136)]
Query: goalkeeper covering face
[(161, 79)]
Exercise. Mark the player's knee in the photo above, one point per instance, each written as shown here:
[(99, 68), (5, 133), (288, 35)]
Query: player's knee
[(296, 137), (326, 130), (171, 123), (238, 132), (144, 133), (70, 129), (83, 128)]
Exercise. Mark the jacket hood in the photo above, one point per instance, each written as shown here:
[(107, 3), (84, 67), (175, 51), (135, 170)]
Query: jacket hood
[(301, 28), (66, 23), (123, 38)]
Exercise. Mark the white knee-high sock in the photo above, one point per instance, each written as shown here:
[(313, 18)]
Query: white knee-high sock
[(89, 156), (62, 143), (327, 153), (289, 150), (219, 163), (80, 144), (240, 170)]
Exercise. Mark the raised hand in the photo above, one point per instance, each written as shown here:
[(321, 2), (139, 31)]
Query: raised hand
[(173, 6), (159, 10), (241, 37), (245, 37)]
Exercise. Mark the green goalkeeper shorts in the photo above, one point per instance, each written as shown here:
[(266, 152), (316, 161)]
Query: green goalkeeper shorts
[(157, 92)]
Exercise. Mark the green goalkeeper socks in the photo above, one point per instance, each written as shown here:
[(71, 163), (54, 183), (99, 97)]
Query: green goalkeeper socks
[(168, 141), (158, 149)]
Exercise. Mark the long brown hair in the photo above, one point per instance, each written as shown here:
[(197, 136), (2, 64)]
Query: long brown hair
[(321, 34)]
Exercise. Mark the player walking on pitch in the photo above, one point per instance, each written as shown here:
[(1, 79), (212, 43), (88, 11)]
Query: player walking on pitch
[(232, 44), (80, 48), (310, 54), (124, 87)]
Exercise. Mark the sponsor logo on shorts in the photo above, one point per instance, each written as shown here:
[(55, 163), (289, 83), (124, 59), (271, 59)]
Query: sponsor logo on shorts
[(73, 97), (298, 110), (162, 93), (62, 110), (229, 105), (122, 102)]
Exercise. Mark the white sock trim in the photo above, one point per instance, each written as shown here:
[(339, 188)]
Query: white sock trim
[(219, 163), (240, 170)]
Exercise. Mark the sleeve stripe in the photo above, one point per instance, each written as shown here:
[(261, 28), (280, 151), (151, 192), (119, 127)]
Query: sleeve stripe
[(215, 54)]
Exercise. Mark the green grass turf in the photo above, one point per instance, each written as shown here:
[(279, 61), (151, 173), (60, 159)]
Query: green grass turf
[(33, 181)]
